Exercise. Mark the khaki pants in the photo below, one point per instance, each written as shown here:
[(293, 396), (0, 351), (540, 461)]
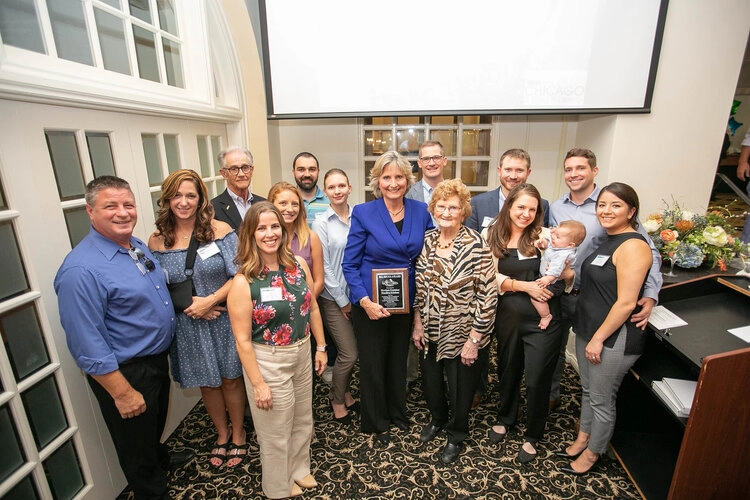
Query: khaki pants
[(284, 432)]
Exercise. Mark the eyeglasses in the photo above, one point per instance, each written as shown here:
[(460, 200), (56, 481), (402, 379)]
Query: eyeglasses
[(452, 209), (234, 170), (428, 159), (144, 267)]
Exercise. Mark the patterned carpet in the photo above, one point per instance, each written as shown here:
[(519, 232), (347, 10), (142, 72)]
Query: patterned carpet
[(348, 465)]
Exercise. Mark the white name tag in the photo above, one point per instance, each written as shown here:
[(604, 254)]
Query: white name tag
[(486, 221), (208, 250), (270, 294), (600, 260)]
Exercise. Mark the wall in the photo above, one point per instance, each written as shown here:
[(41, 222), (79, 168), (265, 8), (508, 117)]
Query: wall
[(671, 151)]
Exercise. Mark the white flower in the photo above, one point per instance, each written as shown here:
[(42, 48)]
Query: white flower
[(715, 235), (651, 225), (687, 214)]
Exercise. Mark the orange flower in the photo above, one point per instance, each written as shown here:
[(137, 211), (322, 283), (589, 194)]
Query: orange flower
[(668, 235), (722, 265), (683, 225)]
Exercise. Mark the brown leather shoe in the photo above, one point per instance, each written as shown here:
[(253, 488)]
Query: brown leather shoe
[(476, 401), (554, 404)]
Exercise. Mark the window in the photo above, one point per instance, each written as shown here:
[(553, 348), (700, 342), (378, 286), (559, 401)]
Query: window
[(39, 454), (125, 37), (78, 157), (466, 140)]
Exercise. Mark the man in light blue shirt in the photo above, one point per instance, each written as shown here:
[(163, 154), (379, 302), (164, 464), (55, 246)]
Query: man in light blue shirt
[(579, 170), (306, 169)]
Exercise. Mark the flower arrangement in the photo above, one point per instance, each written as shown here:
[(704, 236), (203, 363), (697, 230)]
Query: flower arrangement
[(690, 239)]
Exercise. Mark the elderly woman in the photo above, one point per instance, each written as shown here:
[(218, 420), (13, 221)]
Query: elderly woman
[(387, 232), (455, 304), (523, 348), (272, 310), (607, 342), (203, 353)]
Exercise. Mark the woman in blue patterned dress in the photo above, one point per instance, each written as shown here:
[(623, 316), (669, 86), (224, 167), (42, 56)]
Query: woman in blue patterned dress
[(203, 353), (273, 310)]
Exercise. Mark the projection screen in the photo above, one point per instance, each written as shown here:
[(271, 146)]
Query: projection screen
[(412, 57)]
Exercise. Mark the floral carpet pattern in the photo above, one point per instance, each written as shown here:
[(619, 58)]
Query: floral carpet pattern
[(349, 465)]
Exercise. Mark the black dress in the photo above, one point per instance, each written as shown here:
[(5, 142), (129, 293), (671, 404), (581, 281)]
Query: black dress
[(523, 346)]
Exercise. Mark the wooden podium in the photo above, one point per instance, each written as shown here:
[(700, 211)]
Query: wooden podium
[(706, 455)]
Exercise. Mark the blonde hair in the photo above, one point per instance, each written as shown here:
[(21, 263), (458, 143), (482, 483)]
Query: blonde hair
[(448, 189), (576, 230), (301, 228), (389, 158), (248, 258), (165, 221)]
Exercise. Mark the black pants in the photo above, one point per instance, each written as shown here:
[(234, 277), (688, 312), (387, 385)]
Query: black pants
[(383, 346), (456, 398), (144, 460)]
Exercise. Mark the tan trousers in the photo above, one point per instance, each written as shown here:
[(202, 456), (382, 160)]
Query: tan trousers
[(284, 432)]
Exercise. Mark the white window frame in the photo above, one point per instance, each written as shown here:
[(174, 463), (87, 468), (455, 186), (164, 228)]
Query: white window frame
[(46, 78)]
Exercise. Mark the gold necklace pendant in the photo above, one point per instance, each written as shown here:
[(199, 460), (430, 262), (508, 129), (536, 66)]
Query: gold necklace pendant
[(394, 214)]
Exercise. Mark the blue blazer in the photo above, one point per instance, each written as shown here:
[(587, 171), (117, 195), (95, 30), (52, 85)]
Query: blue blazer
[(487, 205), (375, 243)]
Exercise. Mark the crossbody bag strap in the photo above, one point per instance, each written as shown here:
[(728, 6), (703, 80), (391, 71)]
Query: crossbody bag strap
[(190, 257)]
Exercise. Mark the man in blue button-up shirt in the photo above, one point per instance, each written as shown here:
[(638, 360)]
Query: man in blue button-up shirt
[(119, 321)]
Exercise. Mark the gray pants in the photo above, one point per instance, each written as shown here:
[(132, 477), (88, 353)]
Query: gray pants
[(599, 386), (342, 332)]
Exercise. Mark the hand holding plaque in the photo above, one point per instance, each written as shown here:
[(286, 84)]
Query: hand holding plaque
[(390, 289)]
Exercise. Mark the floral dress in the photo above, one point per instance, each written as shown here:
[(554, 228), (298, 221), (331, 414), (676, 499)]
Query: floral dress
[(280, 319)]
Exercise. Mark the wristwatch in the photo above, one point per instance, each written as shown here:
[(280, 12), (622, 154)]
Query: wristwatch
[(474, 340)]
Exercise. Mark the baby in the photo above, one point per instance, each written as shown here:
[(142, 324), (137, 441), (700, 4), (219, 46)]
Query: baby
[(561, 249)]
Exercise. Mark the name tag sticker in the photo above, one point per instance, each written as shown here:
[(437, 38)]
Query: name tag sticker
[(486, 221), (208, 250), (270, 294), (600, 260)]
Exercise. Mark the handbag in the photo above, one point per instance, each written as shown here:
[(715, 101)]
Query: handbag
[(182, 293)]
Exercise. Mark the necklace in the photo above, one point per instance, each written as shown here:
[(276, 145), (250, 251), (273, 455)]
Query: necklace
[(394, 214), (447, 245)]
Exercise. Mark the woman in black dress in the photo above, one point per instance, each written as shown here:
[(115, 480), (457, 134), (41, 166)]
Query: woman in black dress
[(521, 345)]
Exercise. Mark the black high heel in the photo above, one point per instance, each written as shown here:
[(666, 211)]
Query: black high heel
[(570, 470), (563, 454)]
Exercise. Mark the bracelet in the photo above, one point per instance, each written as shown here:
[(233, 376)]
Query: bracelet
[(512, 285), (321, 348)]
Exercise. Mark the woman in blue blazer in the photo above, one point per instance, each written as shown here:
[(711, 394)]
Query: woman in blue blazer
[(387, 232)]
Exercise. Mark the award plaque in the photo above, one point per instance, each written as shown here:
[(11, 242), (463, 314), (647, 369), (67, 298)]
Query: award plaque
[(390, 289)]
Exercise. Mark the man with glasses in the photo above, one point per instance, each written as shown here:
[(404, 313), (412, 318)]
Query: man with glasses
[(431, 162), (306, 169), (119, 321), (237, 169)]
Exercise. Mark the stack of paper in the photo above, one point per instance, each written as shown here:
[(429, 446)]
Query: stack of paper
[(676, 393)]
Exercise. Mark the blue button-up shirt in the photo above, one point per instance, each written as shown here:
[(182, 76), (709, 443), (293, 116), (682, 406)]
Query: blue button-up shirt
[(110, 311), (565, 209)]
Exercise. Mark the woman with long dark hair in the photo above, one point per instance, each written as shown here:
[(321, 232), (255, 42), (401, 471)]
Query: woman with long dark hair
[(203, 353)]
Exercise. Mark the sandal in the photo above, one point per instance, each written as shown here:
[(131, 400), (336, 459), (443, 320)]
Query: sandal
[(237, 453), (219, 453)]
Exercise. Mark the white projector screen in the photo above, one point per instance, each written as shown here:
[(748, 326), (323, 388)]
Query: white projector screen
[(412, 57)]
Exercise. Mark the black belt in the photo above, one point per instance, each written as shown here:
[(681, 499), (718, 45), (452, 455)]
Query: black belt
[(141, 359), (574, 292)]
